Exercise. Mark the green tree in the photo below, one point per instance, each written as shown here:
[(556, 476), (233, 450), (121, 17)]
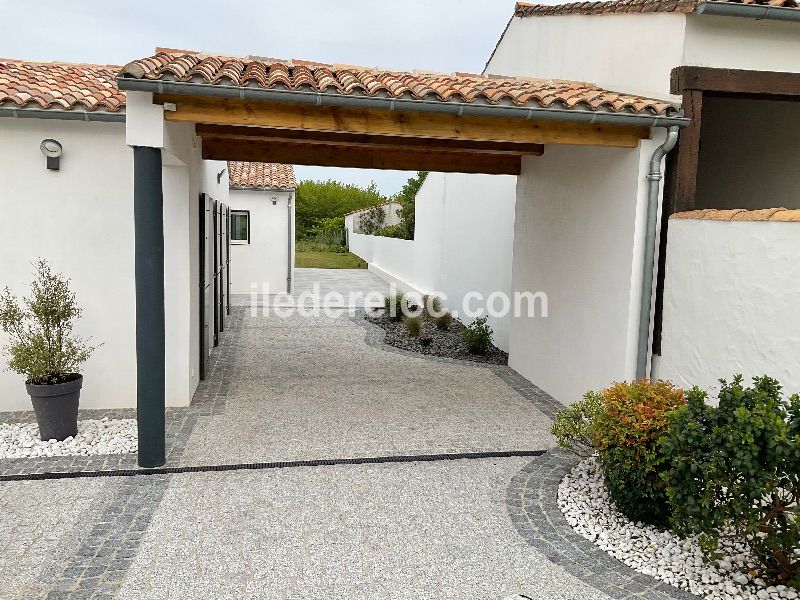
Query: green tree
[(407, 199), (319, 200)]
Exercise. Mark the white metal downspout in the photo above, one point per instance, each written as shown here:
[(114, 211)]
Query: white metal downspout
[(645, 312), (290, 245)]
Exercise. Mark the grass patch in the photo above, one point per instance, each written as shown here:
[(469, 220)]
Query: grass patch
[(328, 260)]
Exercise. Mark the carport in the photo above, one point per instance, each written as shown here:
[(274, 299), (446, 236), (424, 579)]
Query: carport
[(254, 109)]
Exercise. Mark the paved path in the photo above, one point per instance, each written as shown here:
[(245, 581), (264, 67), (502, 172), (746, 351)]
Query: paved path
[(326, 287), (289, 389)]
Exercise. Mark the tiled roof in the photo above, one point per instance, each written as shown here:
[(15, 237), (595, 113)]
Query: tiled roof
[(524, 9), (740, 214), (347, 80), (59, 86), (261, 175)]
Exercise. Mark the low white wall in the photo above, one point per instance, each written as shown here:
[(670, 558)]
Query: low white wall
[(730, 303), (265, 260), (577, 238), (463, 243), (81, 219), (353, 220)]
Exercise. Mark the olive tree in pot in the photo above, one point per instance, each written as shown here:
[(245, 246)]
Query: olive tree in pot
[(43, 348)]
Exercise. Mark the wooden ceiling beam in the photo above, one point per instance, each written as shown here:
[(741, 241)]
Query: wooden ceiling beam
[(270, 134), (230, 111), (362, 158), (735, 81)]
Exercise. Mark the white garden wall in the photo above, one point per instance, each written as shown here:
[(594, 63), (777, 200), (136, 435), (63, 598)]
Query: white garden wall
[(353, 220), (265, 261), (81, 219), (578, 238), (462, 243), (730, 303)]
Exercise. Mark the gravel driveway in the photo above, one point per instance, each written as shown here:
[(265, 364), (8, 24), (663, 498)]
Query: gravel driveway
[(298, 389)]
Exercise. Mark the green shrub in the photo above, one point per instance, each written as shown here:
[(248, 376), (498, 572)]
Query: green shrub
[(478, 336), (444, 321), (372, 220), (392, 231), (574, 425), (42, 346), (736, 472), (394, 306), (414, 326), (627, 433)]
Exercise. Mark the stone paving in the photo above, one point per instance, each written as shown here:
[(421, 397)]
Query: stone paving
[(325, 388)]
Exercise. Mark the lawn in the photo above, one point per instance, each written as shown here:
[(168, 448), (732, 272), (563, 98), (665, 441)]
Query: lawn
[(328, 260)]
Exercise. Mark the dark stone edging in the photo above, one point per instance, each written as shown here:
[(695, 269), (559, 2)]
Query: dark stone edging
[(534, 512)]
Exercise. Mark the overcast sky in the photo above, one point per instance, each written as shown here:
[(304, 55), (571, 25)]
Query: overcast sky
[(440, 35)]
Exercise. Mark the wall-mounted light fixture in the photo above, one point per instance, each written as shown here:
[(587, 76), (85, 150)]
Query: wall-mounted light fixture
[(52, 149), (219, 176), (274, 200)]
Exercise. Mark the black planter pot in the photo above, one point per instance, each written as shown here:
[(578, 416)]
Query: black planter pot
[(56, 408)]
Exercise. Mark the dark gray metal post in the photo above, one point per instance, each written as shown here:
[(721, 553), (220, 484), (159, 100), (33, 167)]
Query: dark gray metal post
[(148, 216)]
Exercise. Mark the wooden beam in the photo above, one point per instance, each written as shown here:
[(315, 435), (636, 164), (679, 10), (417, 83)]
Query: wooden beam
[(363, 158), (735, 81), (230, 111), (688, 157), (270, 134)]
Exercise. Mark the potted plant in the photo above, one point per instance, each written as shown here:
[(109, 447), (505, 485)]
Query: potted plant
[(43, 348)]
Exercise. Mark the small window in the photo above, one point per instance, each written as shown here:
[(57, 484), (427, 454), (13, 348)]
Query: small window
[(240, 226)]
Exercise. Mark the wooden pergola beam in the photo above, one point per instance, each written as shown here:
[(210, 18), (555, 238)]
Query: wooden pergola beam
[(304, 153), (350, 140), (230, 111), (735, 81)]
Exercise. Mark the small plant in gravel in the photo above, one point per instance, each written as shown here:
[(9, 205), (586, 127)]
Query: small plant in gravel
[(425, 340), (394, 306), (414, 326), (444, 321), (478, 336), (574, 426), (627, 433), (735, 473)]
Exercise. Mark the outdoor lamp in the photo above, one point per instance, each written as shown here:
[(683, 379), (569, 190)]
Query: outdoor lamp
[(274, 200), (52, 149)]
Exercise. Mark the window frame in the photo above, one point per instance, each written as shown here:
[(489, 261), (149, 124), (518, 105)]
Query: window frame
[(236, 242)]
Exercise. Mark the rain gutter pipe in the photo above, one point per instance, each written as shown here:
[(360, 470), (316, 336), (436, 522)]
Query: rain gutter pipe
[(654, 178), (751, 11)]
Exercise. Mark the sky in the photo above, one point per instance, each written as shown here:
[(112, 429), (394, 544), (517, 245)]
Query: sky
[(433, 35)]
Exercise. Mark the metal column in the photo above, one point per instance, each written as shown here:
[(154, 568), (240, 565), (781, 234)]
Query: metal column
[(148, 216)]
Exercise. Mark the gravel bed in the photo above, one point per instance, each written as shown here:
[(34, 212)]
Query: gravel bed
[(447, 344), (585, 502), (104, 436)]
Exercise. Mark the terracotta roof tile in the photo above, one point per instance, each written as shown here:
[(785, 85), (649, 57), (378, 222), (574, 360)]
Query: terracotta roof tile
[(364, 81), (261, 175), (60, 86), (740, 214), (611, 7)]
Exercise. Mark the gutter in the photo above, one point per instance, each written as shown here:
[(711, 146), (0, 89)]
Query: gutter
[(654, 178), (66, 115), (400, 104), (290, 236), (751, 11)]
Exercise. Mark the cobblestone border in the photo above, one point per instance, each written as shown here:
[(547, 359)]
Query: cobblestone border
[(209, 399), (534, 512), (375, 337)]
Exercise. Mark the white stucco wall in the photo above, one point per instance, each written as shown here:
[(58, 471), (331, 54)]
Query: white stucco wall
[(353, 220), (742, 165), (81, 219), (631, 53), (578, 238), (740, 43), (730, 303), (265, 260)]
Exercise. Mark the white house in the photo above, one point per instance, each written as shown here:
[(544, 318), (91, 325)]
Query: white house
[(262, 227), (579, 215)]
